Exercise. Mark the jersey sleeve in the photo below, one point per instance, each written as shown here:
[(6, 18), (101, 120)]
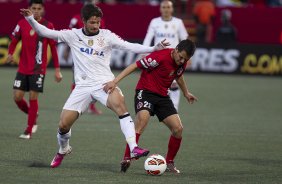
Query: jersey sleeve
[(182, 32), (149, 62), (118, 43), (150, 35), (15, 37), (61, 36)]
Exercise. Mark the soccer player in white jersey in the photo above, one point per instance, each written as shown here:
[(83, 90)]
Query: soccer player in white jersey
[(91, 52), (173, 30)]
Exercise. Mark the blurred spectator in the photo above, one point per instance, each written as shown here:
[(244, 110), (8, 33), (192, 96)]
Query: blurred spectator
[(257, 3), (226, 33), (64, 1), (204, 12), (224, 3), (12, 1), (274, 2)]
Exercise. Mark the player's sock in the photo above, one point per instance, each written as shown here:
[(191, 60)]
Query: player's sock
[(174, 94), (127, 150), (63, 141), (128, 129), (173, 147), (32, 115), (22, 105)]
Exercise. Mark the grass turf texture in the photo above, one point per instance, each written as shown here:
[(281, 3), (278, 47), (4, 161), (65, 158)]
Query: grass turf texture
[(232, 135)]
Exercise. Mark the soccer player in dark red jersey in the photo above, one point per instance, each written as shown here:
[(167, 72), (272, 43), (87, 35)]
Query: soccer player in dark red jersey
[(76, 22), (32, 65), (159, 69)]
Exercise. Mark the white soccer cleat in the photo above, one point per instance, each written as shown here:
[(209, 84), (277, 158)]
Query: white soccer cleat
[(25, 136), (171, 168), (34, 128)]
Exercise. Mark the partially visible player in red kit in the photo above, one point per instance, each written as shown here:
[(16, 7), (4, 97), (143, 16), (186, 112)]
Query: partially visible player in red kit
[(32, 65), (76, 22), (159, 69)]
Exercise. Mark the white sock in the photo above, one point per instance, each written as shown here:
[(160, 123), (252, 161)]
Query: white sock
[(175, 97), (128, 129), (63, 141)]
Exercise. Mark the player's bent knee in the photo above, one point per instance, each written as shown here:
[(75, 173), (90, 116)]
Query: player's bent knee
[(64, 128), (177, 131), (17, 98)]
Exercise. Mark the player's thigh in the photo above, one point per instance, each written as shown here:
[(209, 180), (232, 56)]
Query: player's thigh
[(79, 99), (141, 120), (20, 86), (174, 123), (164, 108), (67, 119), (116, 103), (36, 83)]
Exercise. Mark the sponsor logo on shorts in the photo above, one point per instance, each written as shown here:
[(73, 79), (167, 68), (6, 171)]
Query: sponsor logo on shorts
[(39, 81), (139, 96), (139, 105)]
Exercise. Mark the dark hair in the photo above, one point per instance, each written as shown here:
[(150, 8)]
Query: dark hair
[(35, 2), (90, 10), (188, 46)]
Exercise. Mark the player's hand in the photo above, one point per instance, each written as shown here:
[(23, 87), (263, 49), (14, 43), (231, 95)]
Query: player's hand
[(109, 87), (191, 98), (25, 12), (58, 75), (162, 45), (10, 59)]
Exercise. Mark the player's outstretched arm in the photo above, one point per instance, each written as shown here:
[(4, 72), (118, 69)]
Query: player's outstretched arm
[(39, 29), (189, 96), (119, 43), (110, 86)]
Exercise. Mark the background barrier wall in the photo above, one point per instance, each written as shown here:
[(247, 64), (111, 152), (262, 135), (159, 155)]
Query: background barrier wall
[(210, 58)]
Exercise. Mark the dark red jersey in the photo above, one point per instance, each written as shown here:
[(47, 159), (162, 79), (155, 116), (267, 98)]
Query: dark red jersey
[(158, 72), (33, 58), (76, 22)]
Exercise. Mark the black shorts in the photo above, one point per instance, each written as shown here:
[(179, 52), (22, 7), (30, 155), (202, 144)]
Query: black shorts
[(158, 105), (29, 82)]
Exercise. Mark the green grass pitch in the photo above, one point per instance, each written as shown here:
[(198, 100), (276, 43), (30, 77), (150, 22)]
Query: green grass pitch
[(232, 135)]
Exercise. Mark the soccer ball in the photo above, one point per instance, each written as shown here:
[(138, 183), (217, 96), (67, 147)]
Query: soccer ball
[(155, 165)]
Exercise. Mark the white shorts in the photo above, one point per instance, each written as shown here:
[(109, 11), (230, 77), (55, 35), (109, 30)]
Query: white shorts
[(82, 96)]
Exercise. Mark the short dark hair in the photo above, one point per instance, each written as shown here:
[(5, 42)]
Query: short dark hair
[(90, 10), (188, 46), (35, 2)]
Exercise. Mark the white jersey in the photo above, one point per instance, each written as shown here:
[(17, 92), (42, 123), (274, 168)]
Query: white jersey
[(173, 31), (91, 54)]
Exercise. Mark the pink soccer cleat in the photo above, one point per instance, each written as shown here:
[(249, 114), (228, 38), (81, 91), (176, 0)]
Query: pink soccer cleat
[(138, 152), (57, 160)]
